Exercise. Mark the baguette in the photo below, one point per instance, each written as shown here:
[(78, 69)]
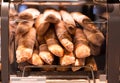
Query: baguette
[(67, 59), (96, 38), (41, 25), (23, 54), (52, 16), (29, 14), (36, 46), (69, 21), (95, 50), (13, 14), (82, 49), (40, 39), (63, 36), (78, 63), (0, 66), (12, 30), (11, 43), (45, 54), (84, 21), (53, 44), (41, 28), (24, 26), (25, 46), (35, 59), (11, 52)]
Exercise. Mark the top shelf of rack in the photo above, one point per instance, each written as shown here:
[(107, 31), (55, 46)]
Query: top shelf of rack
[(95, 1)]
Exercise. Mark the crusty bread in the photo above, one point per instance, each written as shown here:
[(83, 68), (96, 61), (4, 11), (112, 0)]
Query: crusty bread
[(29, 14), (63, 36), (25, 46), (52, 42), (52, 16), (82, 49), (35, 59), (45, 54), (69, 21), (67, 59), (96, 38)]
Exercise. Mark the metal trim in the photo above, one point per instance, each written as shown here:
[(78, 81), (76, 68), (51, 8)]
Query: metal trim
[(5, 42), (113, 56)]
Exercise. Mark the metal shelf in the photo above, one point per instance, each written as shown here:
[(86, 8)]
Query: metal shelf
[(61, 1), (51, 0)]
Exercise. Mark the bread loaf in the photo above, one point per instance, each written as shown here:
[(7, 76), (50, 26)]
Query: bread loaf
[(84, 21), (82, 49), (52, 42), (78, 64), (63, 36), (69, 21), (52, 16), (24, 26), (29, 14), (95, 50), (41, 25), (25, 46), (45, 54), (67, 59), (96, 38), (35, 59)]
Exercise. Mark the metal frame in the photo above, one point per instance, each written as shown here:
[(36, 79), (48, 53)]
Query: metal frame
[(113, 56), (113, 44), (5, 42)]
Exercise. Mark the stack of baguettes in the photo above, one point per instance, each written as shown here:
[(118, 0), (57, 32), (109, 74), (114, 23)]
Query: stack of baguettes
[(41, 37)]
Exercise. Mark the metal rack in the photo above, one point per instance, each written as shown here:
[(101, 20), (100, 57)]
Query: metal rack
[(112, 56)]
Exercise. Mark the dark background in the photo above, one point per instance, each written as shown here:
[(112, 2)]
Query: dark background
[(113, 1)]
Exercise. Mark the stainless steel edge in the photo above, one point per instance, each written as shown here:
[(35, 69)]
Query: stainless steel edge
[(5, 41)]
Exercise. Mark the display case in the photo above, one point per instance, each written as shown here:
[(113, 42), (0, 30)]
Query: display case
[(96, 24)]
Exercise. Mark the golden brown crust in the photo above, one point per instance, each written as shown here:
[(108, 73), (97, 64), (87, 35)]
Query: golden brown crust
[(25, 46), (45, 54), (23, 54), (24, 26), (52, 42), (84, 21), (67, 59), (69, 21), (95, 50), (82, 49), (96, 38), (52, 16), (55, 48), (29, 14), (78, 64), (35, 59), (41, 25), (63, 36)]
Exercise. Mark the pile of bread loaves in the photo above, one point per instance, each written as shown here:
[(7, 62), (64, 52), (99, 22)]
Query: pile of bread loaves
[(70, 36)]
